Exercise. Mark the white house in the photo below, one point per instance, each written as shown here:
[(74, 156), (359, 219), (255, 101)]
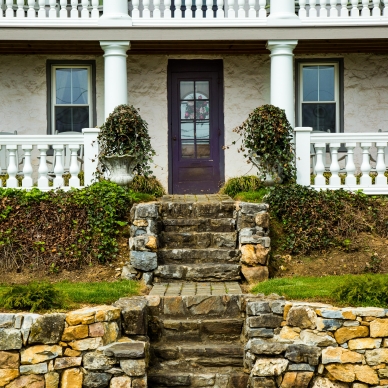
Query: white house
[(195, 70)]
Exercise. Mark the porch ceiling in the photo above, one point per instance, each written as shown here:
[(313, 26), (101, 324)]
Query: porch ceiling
[(379, 46)]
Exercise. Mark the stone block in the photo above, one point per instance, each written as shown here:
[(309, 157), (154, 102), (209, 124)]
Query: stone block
[(97, 329), (245, 221), (139, 382), (96, 380), (144, 242), (144, 261), (120, 382), (67, 362), (133, 368), (89, 315), (303, 354), (140, 223), (254, 254), (72, 378), (36, 369), (369, 312), (9, 360), (262, 382), (133, 315), (288, 333), (169, 380), (28, 381), (345, 334), (262, 219), (223, 327), (86, 344), (366, 374), (379, 328), (324, 382), (203, 380), (319, 339), (260, 346), (7, 321), (251, 209), (254, 275), (302, 316), (146, 210), (260, 332), (40, 353), (10, 339), (364, 343), (7, 375), (296, 379), (340, 355), (376, 356), (200, 305), (383, 373), (51, 380), (97, 361), (71, 353), (265, 367), (258, 307), (270, 321), (148, 278), (75, 332), (342, 372), (28, 320), (47, 329), (277, 306), (132, 350), (253, 235), (129, 273), (328, 324), (301, 367)]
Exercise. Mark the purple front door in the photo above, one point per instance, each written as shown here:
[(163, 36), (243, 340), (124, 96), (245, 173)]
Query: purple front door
[(196, 126)]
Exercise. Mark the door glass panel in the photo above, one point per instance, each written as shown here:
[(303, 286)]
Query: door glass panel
[(187, 90), (187, 110), (188, 149), (202, 110), (202, 90), (187, 130)]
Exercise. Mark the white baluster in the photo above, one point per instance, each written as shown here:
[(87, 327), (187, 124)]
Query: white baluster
[(344, 9), (365, 13), (146, 10), (381, 179), (385, 12), (188, 12), (333, 9), (12, 166), (320, 180), (335, 180), (167, 9), (313, 9), (53, 10), (350, 167), (220, 11), (323, 10), (63, 11), (241, 10), (156, 13), (135, 10), (209, 9), (58, 169), (20, 12), (1, 15), (42, 11), (85, 11), (27, 169), (365, 168), (231, 12), (74, 166), (43, 169), (376, 9), (9, 10), (354, 13), (252, 11), (178, 11), (197, 9), (31, 8), (302, 9), (95, 11), (74, 10), (262, 10)]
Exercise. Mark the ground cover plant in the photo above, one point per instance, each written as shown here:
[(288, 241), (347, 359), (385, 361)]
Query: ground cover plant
[(57, 229)]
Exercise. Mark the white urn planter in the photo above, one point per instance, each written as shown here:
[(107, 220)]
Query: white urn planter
[(120, 168), (270, 179)]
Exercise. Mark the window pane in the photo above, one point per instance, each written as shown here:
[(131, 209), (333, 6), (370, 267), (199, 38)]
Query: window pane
[(80, 86), (202, 110), (63, 86), (187, 90), (71, 118), (319, 116), (310, 83), (202, 90), (326, 83), (187, 110)]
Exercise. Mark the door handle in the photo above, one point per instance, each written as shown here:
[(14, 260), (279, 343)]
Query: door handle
[(174, 138)]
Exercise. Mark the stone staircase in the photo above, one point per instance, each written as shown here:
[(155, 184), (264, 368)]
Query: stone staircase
[(195, 332), (198, 241)]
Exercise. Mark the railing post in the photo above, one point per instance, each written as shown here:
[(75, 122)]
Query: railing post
[(90, 154), (115, 13), (283, 12), (302, 155)]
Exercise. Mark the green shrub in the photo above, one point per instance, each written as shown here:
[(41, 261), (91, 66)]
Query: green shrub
[(243, 183), (147, 185), (363, 291), (33, 297)]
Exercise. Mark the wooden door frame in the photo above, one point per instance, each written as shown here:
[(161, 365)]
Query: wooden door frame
[(194, 65)]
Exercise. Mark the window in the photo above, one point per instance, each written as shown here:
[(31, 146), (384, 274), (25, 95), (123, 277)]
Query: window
[(71, 96), (319, 102)]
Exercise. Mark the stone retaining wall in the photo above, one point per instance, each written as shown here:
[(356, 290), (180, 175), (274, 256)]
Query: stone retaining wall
[(294, 344), (102, 346)]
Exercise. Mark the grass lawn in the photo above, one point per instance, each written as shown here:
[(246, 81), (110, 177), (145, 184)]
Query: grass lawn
[(314, 288), (78, 294)]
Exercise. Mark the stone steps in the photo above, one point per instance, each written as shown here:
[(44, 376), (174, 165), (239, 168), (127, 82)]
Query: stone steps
[(199, 225), (197, 256), (199, 240), (197, 272)]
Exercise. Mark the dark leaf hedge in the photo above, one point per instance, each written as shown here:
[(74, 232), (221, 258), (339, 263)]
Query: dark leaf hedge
[(60, 229)]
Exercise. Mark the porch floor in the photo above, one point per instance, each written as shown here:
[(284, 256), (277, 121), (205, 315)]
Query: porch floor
[(196, 288)]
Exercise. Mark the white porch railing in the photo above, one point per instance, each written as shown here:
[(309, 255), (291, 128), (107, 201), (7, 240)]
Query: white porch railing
[(194, 12), (26, 159), (362, 154)]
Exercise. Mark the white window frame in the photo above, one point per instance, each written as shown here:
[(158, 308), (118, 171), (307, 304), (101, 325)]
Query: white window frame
[(337, 90), (53, 92)]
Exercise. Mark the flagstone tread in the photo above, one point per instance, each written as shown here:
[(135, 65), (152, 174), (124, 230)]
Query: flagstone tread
[(198, 240), (193, 288), (199, 224)]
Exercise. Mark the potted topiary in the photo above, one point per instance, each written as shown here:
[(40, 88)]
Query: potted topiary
[(267, 143), (125, 145)]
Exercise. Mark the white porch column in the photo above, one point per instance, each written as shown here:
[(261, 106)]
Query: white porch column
[(283, 12), (115, 12), (115, 74), (282, 76)]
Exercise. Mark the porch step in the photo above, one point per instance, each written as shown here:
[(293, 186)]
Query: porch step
[(199, 225), (197, 272), (197, 256), (198, 240)]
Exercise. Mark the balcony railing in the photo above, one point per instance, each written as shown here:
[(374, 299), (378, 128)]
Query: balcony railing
[(350, 161), (197, 12)]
